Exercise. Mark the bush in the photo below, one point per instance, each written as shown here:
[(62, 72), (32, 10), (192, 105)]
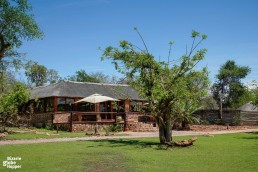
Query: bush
[(236, 120), (49, 126), (115, 128), (217, 121), (205, 122)]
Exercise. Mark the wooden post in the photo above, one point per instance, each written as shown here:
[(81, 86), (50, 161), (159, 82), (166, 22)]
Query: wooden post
[(111, 110), (57, 128), (76, 104), (71, 121), (127, 105), (55, 104), (127, 109), (98, 117)]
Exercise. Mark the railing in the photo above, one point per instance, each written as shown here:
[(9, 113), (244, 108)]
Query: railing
[(95, 117)]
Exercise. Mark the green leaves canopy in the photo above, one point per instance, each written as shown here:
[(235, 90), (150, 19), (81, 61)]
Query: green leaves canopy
[(173, 91), (228, 87), (17, 23), (11, 101)]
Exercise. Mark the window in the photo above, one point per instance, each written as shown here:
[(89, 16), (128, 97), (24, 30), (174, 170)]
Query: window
[(121, 106), (86, 107), (65, 104), (40, 106), (69, 104), (60, 104), (135, 106), (49, 105)]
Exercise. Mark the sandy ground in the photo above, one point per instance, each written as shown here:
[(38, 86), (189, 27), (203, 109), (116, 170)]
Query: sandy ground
[(199, 131)]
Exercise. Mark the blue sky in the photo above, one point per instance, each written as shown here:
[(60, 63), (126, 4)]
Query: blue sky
[(74, 29)]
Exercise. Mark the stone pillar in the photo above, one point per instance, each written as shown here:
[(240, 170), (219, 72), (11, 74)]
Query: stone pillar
[(127, 110)]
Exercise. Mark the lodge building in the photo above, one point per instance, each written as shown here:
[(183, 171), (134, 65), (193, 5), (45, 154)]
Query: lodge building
[(55, 104)]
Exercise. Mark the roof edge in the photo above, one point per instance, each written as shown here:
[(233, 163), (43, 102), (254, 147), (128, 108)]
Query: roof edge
[(93, 83)]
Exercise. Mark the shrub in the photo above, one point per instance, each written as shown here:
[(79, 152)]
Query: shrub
[(49, 126), (217, 121), (115, 128), (236, 120), (205, 122)]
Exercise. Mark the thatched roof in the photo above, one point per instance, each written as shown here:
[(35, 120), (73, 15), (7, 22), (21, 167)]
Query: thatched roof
[(84, 89), (248, 107)]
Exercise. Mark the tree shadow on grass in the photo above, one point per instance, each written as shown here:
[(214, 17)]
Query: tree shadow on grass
[(140, 144), (253, 136)]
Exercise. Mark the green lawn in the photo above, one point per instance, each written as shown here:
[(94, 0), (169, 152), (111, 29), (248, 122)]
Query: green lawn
[(42, 133), (230, 152)]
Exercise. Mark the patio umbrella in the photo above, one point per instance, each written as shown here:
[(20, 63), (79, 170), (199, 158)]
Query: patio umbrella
[(96, 98)]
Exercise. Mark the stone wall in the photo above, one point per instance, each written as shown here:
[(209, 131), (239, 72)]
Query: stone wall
[(138, 122), (229, 116), (142, 127), (61, 118), (40, 120), (90, 127), (249, 118)]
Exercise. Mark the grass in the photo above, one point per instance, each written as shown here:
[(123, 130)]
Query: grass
[(41, 133), (229, 152)]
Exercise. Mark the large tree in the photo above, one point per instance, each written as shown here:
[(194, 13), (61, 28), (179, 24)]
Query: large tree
[(228, 90), (172, 90), (17, 24)]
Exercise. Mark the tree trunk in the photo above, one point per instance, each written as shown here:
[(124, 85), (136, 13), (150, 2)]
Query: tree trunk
[(165, 131), (220, 111)]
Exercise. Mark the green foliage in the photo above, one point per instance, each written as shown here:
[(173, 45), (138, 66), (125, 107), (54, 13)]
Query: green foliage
[(115, 128), (36, 74), (228, 87), (17, 24), (96, 77), (49, 127), (209, 103), (205, 122), (82, 76), (254, 92), (11, 101), (53, 76), (236, 120), (172, 91)]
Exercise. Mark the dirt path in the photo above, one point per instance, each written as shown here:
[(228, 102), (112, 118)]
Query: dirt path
[(130, 135)]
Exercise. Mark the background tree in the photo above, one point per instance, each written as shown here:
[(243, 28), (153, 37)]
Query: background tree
[(10, 103), (82, 76), (209, 103), (17, 24), (96, 77), (36, 74), (53, 76), (254, 92), (164, 87), (228, 90)]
